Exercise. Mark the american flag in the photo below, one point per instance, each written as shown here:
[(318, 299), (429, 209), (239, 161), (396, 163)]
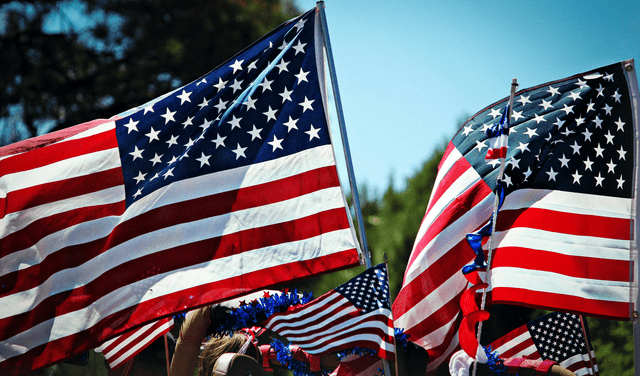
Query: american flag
[(499, 140), (359, 365), (354, 314), (556, 336), (119, 350), (565, 231), (221, 187)]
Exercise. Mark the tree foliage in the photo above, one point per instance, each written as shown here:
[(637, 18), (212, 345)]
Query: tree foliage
[(67, 62)]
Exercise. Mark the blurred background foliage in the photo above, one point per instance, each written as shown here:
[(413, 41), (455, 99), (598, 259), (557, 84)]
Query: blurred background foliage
[(67, 62)]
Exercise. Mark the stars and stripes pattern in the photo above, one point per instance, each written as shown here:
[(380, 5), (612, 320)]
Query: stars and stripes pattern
[(354, 314), (499, 137), (224, 186), (119, 350), (556, 336), (565, 232)]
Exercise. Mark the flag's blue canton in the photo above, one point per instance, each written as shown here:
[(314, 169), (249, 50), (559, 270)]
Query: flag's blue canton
[(262, 104), (368, 291), (573, 135), (558, 336)]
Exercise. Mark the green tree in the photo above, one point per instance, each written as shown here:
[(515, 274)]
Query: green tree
[(64, 63)]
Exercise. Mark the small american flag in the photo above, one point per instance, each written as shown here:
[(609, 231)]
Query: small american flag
[(222, 187), (499, 137), (354, 314), (566, 229), (119, 350), (556, 336)]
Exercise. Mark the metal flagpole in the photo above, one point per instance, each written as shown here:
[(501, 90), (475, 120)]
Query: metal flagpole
[(586, 343), (496, 203), (343, 133)]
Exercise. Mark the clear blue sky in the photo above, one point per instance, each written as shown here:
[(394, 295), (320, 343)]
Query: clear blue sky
[(409, 70)]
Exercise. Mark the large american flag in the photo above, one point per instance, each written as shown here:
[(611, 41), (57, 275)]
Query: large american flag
[(222, 187), (556, 336), (565, 234), (354, 314)]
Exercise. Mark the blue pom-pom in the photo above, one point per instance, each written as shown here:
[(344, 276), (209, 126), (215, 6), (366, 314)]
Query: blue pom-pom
[(496, 365), (298, 368)]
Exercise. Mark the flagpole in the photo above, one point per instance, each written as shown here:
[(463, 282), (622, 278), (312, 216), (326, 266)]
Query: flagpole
[(496, 204), (586, 343), (385, 363), (166, 353), (343, 133)]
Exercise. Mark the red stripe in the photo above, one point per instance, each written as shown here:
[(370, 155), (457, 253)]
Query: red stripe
[(143, 340), (518, 348), (458, 169), (509, 336), (60, 190), (496, 153), (163, 217), (43, 154), (165, 261), (560, 302), (68, 347), (565, 223), (569, 265)]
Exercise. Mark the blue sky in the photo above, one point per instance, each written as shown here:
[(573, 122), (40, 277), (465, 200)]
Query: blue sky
[(409, 70)]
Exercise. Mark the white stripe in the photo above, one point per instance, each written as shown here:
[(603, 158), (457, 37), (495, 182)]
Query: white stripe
[(277, 323), (565, 244), (167, 238), (435, 338), (171, 282), (513, 343), (141, 344), (586, 370), (568, 202), (436, 362), (536, 280), (179, 191)]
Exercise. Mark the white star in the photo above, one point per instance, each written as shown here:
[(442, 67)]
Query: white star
[(527, 174), (545, 104), (276, 143), (524, 100), (221, 84), (300, 24), (222, 105), (204, 103), (313, 133), (149, 108), (600, 89), (575, 95), (507, 180), (219, 140), (515, 163), (517, 115), (271, 114), (575, 147), (607, 109), (187, 122), (266, 84), (172, 141), (282, 66), (587, 164), (523, 147), (609, 137), (611, 166), (467, 130), (620, 124), (590, 106), (616, 96), (306, 105), (138, 193), (599, 151), (255, 133), (495, 113), (598, 122), (286, 95), (553, 91), (302, 76), (156, 159), (291, 124), (559, 123), (530, 132), (153, 135), (494, 162), (140, 177), (579, 121), (538, 118), (168, 116), (480, 145), (203, 81), (137, 153), (599, 179), (239, 151), (184, 97), (576, 177), (172, 161), (581, 83), (204, 160), (620, 182), (250, 103), (485, 127), (131, 125), (235, 122), (566, 132), (168, 173), (283, 45), (206, 124), (608, 77), (252, 66), (236, 66), (564, 161), (621, 153), (299, 47), (236, 85), (190, 143), (567, 109), (552, 174)]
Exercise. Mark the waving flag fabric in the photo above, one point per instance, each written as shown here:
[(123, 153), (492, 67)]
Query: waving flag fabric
[(222, 187), (556, 336), (565, 234), (117, 351), (499, 137), (354, 314)]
